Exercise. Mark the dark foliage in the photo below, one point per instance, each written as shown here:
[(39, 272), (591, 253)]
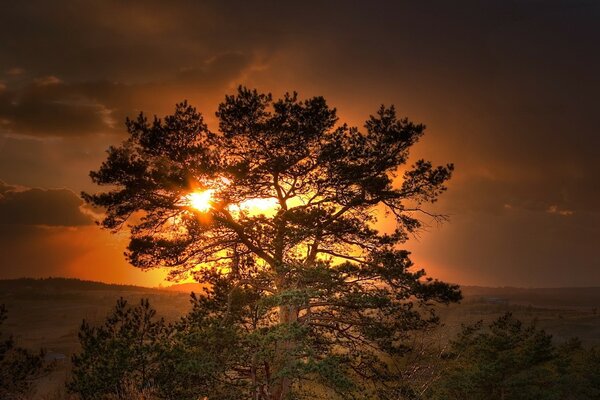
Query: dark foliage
[(18, 366), (194, 358), (508, 360), (310, 294), (123, 353)]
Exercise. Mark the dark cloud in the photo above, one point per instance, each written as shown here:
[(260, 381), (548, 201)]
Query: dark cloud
[(50, 107), (52, 162), (134, 42), (30, 251), (51, 207), (516, 247)]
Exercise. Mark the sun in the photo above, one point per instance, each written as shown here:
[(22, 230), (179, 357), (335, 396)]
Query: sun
[(201, 200)]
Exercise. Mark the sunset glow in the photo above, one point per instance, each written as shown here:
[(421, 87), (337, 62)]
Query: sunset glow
[(519, 172), (207, 200), (201, 200), (257, 206)]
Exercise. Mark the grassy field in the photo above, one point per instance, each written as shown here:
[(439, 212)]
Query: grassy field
[(47, 313)]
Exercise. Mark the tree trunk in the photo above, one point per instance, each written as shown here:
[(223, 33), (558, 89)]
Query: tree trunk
[(282, 386)]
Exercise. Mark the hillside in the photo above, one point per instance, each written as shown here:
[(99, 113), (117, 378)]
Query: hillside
[(567, 297)]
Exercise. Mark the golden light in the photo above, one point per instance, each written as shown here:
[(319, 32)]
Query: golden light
[(259, 205), (204, 200), (201, 200)]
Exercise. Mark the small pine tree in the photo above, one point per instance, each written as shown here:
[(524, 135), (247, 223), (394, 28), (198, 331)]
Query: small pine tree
[(135, 352), (120, 355), (508, 360)]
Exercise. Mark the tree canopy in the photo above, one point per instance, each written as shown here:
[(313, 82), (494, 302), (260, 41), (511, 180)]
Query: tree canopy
[(308, 290)]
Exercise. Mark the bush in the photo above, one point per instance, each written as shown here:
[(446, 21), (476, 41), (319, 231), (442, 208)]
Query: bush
[(18, 366), (508, 360), (120, 356), (136, 355)]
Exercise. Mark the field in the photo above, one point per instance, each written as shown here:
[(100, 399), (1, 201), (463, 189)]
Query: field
[(47, 313)]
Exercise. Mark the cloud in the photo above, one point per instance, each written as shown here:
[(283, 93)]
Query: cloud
[(5, 188), (554, 209), (45, 232), (47, 80), (519, 248), (51, 107), (53, 162), (49, 207), (15, 71)]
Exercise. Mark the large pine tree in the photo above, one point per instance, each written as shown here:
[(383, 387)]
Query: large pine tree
[(309, 289)]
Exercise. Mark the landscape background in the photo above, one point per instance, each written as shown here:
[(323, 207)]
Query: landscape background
[(508, 91), (47, 313)]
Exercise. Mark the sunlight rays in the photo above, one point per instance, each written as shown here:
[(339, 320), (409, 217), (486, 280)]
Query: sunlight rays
[(203, 200)]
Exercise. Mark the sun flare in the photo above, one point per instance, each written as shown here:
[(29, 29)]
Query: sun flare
[(201, 200)]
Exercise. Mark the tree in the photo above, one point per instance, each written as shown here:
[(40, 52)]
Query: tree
[(18, 366), (510, 360), (121, 355), (309, 289), (578, 370)]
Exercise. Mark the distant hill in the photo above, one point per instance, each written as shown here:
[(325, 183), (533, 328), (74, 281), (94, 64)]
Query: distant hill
[(566, 297), (47, 312), (72, 284), (64, 284)]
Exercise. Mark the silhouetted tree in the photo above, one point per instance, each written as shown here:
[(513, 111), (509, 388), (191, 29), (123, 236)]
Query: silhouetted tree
[(510, 360), (121, 355), (18, 366), (310, 290), (578, 370)]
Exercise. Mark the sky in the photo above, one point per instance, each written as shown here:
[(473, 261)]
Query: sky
[(508, 91)]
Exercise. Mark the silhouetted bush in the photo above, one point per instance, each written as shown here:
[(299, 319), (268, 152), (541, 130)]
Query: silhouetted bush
[(18, 366), (121, 354), (508, 360), (136, 354)]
